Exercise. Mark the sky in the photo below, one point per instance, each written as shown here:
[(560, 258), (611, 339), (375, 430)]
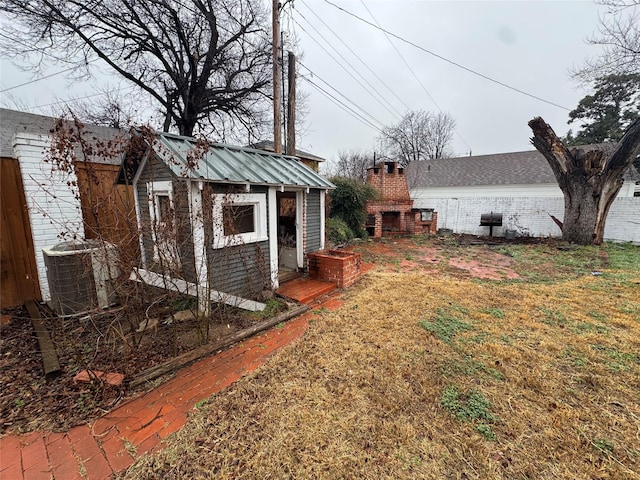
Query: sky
[(529, 46)]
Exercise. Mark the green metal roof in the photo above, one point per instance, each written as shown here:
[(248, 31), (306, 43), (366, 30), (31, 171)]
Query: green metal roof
[(227, 164)]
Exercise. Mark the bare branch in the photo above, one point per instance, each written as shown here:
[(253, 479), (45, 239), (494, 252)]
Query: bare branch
[(194, 58), (420, 135), (619, 35)]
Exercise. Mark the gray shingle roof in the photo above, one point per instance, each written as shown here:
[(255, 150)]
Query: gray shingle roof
[(516, 168), (13, 121), (228, 164)]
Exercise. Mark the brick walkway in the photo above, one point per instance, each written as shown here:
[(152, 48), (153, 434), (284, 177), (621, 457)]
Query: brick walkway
[(113, 442)]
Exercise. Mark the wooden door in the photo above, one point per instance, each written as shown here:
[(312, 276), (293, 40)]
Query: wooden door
[(108, 209), (19, 273)]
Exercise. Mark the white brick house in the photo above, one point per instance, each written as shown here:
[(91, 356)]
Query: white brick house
[(516, 174), (53, 205), (520, 186)]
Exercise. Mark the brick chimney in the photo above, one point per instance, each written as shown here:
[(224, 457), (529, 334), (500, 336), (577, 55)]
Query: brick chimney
[(390, 181), (393, 211)]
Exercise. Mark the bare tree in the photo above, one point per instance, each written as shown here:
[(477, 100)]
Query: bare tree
[(589, 180), (205, 63), (111, 109), (619, 36), (352, 164), (420, 135)]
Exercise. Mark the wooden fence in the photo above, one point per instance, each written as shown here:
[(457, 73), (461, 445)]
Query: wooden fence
[(19, 274), (108, 212)]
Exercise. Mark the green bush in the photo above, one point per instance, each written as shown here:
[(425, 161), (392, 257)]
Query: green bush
[(338, 231), (349, 202)]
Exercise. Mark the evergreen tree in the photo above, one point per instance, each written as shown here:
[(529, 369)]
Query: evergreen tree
[(607, 113)]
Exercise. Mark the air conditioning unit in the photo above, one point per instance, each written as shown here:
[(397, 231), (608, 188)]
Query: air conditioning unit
[(81, 275)]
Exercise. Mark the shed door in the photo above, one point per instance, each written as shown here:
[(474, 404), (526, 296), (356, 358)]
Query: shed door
[(19, 275), (288, 241)]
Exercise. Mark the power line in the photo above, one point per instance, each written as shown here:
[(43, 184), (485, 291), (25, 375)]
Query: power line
[(411, 70), (75, 100), (342, 105), (42, 50), (378, 98), (38, 79), (402, 57), (486, 77), (34, 48), (343, 96), (290, 27), (373, 72)]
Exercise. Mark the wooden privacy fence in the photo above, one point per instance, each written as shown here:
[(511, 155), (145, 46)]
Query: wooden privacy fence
[(108, 212), (19, 273)]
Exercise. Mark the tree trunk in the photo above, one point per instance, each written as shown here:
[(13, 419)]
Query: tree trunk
[(589, 180), (586, 206)]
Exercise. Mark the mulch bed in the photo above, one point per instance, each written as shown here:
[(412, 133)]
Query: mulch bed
[(100, 341)]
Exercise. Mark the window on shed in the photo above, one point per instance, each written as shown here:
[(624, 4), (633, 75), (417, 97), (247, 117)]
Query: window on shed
[(163, 225), (238, 219), (163, 208), (426, 216)]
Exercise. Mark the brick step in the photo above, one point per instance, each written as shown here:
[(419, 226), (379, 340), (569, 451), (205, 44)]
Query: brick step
[(306, 290)]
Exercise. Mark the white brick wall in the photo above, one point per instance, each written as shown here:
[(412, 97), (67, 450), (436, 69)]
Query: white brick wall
[(623, 222), (529, 216), (54, 212), (508, 190)]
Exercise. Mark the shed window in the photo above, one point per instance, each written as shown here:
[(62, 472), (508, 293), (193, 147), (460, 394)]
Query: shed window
[(163, 208), (238, 219), (163, 228)]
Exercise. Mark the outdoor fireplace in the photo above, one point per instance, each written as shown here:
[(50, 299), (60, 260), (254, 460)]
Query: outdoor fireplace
[(392, 212)]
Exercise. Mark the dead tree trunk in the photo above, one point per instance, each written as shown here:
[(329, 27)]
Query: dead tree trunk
[(589, 180)]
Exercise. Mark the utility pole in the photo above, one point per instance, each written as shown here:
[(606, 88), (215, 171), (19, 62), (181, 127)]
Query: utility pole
[(277, 87), (291, 106)]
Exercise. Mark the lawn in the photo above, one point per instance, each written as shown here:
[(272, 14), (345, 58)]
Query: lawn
[(432, 370)]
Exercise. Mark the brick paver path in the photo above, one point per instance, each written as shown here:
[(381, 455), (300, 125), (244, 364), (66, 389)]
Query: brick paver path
[(113, 442)]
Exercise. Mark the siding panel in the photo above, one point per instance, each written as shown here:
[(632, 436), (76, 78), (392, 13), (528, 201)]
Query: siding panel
[(241, 270), (54, 211), (313, 221)]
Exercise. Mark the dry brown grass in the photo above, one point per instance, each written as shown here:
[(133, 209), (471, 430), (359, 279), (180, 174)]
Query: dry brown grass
[(360, 395)]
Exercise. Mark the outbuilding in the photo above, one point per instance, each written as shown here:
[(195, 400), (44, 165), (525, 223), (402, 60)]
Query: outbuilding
[(219, 222)]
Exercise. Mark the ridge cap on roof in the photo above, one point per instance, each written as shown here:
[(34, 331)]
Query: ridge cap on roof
[(266, 144), (226, 145), (590, 146)]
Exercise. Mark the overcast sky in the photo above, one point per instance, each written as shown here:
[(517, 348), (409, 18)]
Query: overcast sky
[(529, 46)]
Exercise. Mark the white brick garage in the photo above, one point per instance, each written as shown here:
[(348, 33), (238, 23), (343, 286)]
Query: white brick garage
[(520, 186), (529, 216), (54, 211)]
